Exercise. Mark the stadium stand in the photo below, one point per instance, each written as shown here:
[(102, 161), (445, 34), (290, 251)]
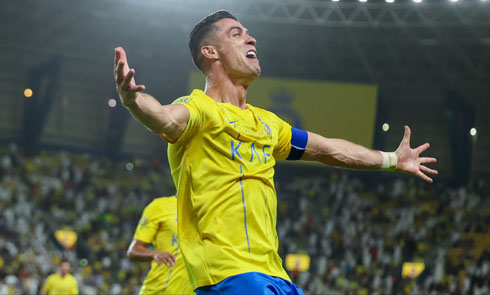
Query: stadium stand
[(357, 232)]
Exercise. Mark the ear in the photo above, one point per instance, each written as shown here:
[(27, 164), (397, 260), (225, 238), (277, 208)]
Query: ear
[(209, 52)]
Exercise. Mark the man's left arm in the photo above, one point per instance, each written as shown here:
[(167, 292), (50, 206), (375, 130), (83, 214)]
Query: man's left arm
[(345, 154)]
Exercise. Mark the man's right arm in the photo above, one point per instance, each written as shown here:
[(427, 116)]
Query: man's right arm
[(170, 120)]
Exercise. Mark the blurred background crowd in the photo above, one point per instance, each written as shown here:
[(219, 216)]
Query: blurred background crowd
[(358, 228)]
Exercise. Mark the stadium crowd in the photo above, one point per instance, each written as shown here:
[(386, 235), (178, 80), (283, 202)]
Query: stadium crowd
[(357, 231)]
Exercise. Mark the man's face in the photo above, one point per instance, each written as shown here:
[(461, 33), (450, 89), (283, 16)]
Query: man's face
[(236, 48), (65, 268)]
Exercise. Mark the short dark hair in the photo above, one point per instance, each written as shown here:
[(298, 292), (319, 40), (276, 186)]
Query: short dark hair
[(64, 260), (201, 31)]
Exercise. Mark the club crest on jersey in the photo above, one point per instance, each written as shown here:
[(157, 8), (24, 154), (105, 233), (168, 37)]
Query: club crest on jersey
[(267, 129)]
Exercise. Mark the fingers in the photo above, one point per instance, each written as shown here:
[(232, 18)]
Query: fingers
[(406, 136), (160, 258), (119, 72), (428, 170), (426, 160), (422, 148), (120, 64), (128, 84), (119, 54), (127, 80), (172, 259), (166, 258), (169, 259), (424, 177)]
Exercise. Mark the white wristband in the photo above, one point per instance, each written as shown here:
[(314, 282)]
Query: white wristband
[(390, 161)]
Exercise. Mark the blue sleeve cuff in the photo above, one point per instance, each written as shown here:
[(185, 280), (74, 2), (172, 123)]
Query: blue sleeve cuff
[(299, 138)]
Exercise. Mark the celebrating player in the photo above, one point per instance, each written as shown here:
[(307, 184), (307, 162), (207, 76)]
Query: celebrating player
[(158, 225), (222, 154), (62, 283)]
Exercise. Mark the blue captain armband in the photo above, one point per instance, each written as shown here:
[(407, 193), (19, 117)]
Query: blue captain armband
[(299, 138)]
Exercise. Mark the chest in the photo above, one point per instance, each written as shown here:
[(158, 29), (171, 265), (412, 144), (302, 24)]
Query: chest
[(242, 135)]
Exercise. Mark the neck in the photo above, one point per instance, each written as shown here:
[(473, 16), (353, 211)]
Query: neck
[(63, 275), (222, 88)]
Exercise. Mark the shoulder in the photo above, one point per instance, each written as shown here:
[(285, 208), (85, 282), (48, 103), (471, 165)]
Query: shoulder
[(196, 96), (268, 116), (164, 202), (262, 112), (159, 205)]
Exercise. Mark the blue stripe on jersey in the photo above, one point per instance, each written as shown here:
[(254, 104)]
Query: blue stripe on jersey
[(244, 211), (169, 274)]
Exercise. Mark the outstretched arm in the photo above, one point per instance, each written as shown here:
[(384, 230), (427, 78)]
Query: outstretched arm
[(138, 251), (168, 119), (342, 153)]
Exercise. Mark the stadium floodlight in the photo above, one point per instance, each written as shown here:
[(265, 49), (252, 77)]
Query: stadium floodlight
[(454, 0), (362, 0), (390, 1), (335, 0), (473, 132), (417, 1), (28, 92)]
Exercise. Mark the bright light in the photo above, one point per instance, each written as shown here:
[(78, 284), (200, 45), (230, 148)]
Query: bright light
[(390, 1), (28, 92), (473, 131), (417, 1), (454, 0), (335, 0), (112, 102), (129, 166), (362, 0), (386, 127)]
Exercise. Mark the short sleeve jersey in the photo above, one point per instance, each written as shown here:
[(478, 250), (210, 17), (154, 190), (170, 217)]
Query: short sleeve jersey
[(223, 168), (158, 225), (58, 285)]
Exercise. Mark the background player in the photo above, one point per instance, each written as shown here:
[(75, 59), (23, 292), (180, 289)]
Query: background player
[(158, 225), (62, 283), (222, 159)]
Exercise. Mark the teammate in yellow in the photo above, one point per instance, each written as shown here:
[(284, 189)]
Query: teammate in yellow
[(158, 225), (62, 283), (222, 156)]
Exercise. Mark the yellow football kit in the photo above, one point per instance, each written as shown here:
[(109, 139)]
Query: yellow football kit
[(57, 285), (158, 225), (223, 168)]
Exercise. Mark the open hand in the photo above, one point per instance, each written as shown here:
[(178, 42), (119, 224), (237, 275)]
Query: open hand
[(409, 160), (124, 76)]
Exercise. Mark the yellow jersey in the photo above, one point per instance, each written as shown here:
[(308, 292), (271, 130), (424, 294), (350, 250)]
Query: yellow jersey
[(158, 225), (223, 167), (57, 285)]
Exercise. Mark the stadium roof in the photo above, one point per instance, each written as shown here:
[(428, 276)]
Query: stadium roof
[(415, 52)]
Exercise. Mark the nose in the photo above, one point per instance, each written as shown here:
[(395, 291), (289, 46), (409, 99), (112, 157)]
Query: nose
[(251, 41)]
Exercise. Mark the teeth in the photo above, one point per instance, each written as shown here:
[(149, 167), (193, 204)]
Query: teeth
[(252, 53)]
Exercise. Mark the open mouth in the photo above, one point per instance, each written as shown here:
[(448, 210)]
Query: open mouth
[(252, 54)]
